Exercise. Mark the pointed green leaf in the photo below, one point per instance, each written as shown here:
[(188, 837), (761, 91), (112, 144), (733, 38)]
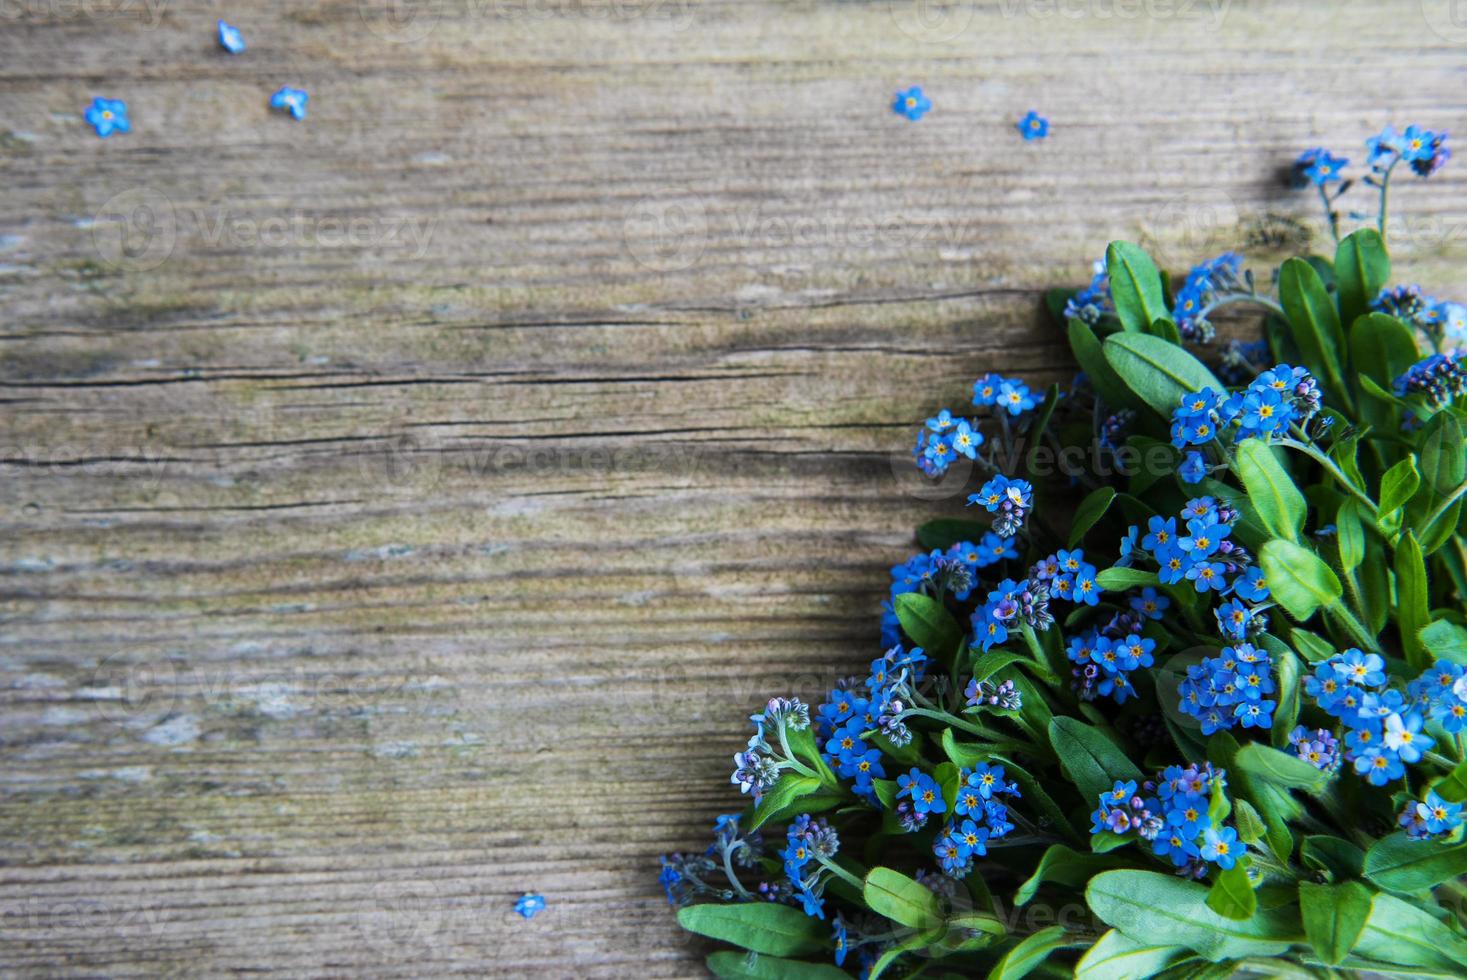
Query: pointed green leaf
[(1091, 509), (1117, 957), (1298, 579), (1103, 378), (1398, 485), (764, 927), (1399, 864), (1160, 908), (1029, 954), (1090, 759), (902, 899), (790, 787), (1334, 917), (1412, 611), (1158, 372), (1399, 932), (1362, 267), (1231, 895), (928, 623), (1314, 324), (1067, 867), (1275, 499), (1280, 768), (1135, 287)]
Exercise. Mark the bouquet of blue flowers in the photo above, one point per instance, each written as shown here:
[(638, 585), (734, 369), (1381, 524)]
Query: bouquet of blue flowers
[(1212, 724)]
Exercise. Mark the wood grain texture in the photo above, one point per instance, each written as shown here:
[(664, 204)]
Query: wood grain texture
[(403, 508)]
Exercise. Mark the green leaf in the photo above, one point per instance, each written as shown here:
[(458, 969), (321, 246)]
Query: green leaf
[(1398, 485), (1381, 348), (1334, 916), (1313, 646), (1445, 640), (1028, 954), (1412, 611), (1279, 768), (779, 930), (1090, 759), (1249, 824), (1443, 468), (1362, 267), (728, 965), (1286, 711), (1135, 287), (945, 532), (1158, 372), (1350, 534), (1231, 895), (903, 900), (1398, 932), (1103, 378), (1453, 786), (893, 953), (790, 787), (1275, 499), (1399, 864), (1162, 909), (1314, 323), (1117, 957), (928, 623), (1038, 796), (1297, 578), (1091, 509), (1067, 867), (1334, 855), (1119, 579)]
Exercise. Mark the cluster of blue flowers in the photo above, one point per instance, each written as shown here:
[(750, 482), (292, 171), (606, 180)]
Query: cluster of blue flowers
[(683, 877), (980, 813), (1432, 816), (1093, 302), (809, 842), (1171, 813), (1425, 151), (1436, 318), (761, 763), (1205, 554), (1230, 689), (1318, 747), (850, 712), (1009, 501), (1274, 400), (1105, 657), (1385, 725), (944, 437), (1204, 284), (1440, 378)]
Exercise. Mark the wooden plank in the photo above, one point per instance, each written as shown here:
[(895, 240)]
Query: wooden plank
[(403, 508)]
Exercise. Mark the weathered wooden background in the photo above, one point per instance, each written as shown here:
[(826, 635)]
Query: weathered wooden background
[(404, 508)]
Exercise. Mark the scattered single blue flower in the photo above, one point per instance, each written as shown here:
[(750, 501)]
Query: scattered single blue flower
[(530, 905), (291, 100), (230, 39), (1033, 126), (108, 116), (911, 103)]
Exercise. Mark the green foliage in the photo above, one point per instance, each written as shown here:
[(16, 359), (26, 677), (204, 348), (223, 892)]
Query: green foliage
[(1358, 529)]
